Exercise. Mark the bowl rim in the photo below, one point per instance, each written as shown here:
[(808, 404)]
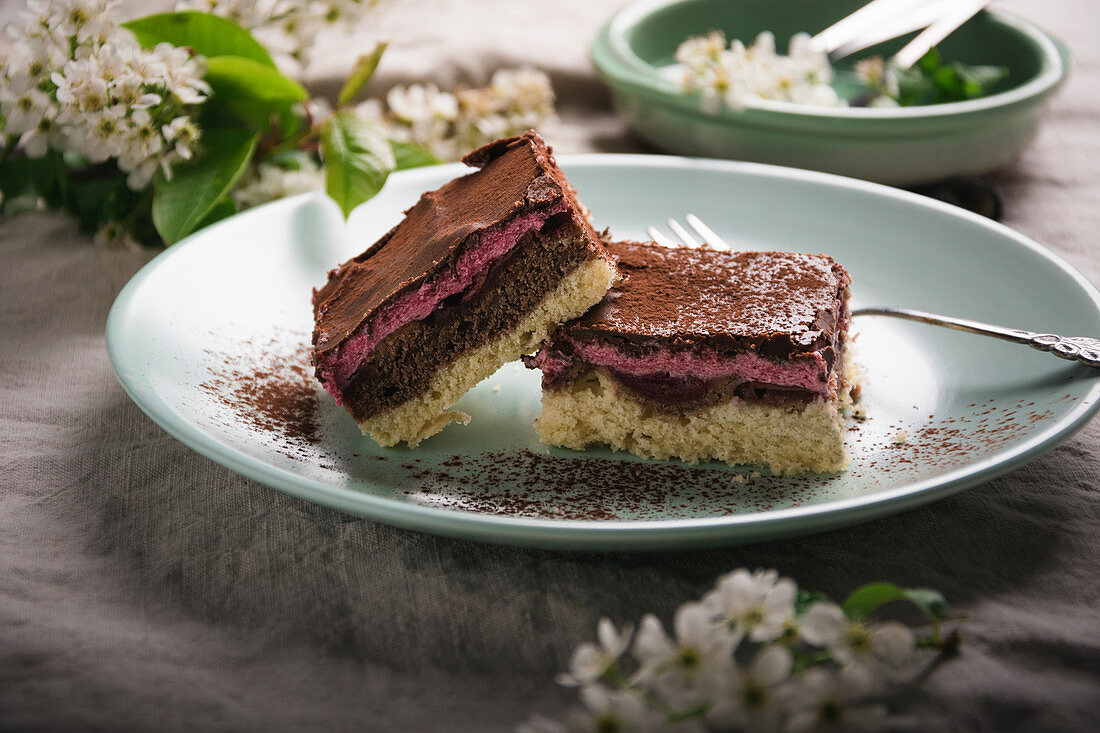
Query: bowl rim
[(636, 71)]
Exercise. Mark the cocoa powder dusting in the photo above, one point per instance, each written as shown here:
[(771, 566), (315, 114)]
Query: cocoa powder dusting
[(521, 483), (271, 389)]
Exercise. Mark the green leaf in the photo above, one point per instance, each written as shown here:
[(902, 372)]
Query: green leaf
[(180, 204), (15, 177), (250, 90), (206, 34), (97, 200), (223, 209), (358, 159), (931, 81), (360, 74), (411, 155), (866, 599), (807, 598), (47, 175), (930, 601)]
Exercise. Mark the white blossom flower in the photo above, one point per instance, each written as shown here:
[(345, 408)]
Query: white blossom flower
[(834, 700), (182, 133), (682, 671), (523, 91), (114, 235), (618, 711), (25, 111), (758, 604), (754, 698), (741, 76), (37, 141), (889, 644), (702, 51), (418, 102), (590, 662), (270, 181)]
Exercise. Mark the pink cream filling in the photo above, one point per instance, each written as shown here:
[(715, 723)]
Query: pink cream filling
[(338, 366), (810, 374)]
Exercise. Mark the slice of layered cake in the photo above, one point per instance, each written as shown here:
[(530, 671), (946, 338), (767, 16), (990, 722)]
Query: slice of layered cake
[(476, 275), (704, 354)]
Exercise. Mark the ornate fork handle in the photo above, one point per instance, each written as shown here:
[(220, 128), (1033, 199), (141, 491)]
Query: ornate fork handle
[(1075, 348)]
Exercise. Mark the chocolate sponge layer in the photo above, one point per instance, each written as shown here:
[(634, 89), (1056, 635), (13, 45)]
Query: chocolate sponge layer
[(402, 366)]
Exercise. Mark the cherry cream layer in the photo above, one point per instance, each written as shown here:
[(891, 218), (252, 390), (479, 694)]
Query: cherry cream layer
[(336, 367), (475, 275), (704, 354)]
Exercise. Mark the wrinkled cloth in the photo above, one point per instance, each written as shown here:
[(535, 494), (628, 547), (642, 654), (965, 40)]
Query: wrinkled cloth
[(146, 588)]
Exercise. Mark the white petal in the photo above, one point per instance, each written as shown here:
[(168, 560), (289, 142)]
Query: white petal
[(693, 624), (596, 698), (855, 681), (893, 642), (607, 635), (823, 624), (651, 642), (771, 665), (587, 663)]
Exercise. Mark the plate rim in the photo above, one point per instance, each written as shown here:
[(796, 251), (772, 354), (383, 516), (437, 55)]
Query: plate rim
[(602, 534)]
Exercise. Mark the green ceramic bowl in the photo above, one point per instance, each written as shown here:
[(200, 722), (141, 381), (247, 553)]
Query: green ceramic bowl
[(900, 146)]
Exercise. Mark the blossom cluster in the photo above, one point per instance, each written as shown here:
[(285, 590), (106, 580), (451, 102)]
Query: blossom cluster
[(288, 28), (268, 181), (882, 81), (77, 82), (753, 654), (739, 75), (451, 124)]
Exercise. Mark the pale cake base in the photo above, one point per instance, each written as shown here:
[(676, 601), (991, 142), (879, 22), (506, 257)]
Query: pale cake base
[(419, 418), (787, 440)]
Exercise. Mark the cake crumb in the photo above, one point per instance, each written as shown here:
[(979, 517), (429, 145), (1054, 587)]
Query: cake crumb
[(496, 387), (902, 437), (739, 478), (859, 412), (755, 474)]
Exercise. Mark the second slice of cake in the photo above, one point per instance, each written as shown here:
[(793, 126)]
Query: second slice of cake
[(476, 275), (704, 354)]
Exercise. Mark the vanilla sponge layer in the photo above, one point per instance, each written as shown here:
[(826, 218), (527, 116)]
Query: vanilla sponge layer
[(419, 418), (596, 410)]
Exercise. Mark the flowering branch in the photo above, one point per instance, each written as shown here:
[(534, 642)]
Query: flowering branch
[(754, 654), (150, 129)]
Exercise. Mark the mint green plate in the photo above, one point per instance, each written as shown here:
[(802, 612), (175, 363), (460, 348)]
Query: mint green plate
[(902, 146), (196, 336)]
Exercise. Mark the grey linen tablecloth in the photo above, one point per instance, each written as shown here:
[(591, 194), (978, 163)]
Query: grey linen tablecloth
[(143, 587)]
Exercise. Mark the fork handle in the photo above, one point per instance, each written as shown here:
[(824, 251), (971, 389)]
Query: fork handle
[(1075, 348)]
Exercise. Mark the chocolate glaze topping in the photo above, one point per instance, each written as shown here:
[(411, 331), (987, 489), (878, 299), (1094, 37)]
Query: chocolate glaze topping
[(512, 288), (517, 175), (778, 304)]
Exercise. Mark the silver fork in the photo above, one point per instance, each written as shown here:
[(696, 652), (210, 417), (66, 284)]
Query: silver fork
[(1075, 348)]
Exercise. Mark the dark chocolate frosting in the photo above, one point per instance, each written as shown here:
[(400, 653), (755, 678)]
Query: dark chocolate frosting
[(779, 304), (517, 175)]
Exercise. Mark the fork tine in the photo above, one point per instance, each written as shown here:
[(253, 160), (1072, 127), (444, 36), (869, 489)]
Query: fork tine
[(683, 234), (659, 238), (706, 232), (852, 26)]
